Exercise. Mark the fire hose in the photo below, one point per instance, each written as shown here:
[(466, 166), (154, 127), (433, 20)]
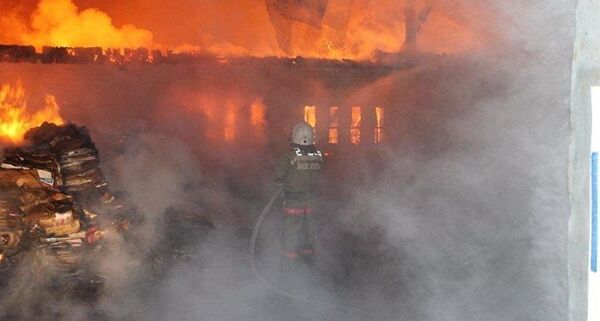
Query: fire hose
[(257, 274)]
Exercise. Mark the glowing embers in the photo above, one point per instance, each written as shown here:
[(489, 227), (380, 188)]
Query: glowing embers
[(16, 119), (378, 133), (355, 127), (334, 125)]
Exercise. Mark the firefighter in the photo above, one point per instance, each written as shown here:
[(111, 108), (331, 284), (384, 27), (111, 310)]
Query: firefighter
[(298, 171)]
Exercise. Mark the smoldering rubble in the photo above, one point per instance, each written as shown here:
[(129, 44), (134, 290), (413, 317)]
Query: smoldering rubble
[(57, 214)]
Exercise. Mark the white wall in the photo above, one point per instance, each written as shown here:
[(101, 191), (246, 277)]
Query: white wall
[(593, 276), (586, 74)]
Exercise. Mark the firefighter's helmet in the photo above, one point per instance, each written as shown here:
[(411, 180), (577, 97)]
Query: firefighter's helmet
[(303, 134)]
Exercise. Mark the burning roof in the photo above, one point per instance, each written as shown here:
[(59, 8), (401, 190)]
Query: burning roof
[(334, 29)]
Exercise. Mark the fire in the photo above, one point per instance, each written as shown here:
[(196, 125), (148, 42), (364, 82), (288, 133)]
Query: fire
[(16, 119), (357, 29), (60, 23), (257, 114), (378, 135), (361, 29), (310, 115), (355, 128), (230, 120), (334, 125)]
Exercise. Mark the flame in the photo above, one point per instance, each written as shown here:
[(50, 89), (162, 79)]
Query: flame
[(355, 127), (257, 114), (229, 128), (310, 115), (230, 116), (351, 29), (16, 119), (59, 23), (378, 135), (334, 125), (360, 29)]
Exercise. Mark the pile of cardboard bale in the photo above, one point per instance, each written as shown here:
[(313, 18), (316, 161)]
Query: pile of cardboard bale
[(50, 194), (71, 147)]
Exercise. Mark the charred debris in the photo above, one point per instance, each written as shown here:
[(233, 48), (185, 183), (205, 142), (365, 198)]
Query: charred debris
[(55, 202)]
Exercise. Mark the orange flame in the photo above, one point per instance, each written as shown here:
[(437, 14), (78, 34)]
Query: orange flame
[(334, 125), (230, 122), (16, 119), (355, 128), (310, 115), (378, 135), (257, 114), (357, 29)]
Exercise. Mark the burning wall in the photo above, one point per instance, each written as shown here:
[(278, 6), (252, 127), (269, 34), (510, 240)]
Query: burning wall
[(228, 107)]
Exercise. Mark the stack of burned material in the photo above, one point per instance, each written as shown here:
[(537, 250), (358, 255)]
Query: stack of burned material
[(76, 154), (35, 215), (50, 195)]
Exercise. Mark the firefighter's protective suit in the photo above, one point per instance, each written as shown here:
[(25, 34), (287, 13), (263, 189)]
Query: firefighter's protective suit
[(298, 170)]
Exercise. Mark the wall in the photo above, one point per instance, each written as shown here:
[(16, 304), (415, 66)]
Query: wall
[(586, 73)]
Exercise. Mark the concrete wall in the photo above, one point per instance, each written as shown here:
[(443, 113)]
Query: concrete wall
[(586, 73)]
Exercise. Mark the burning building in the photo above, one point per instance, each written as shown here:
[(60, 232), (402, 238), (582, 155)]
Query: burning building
[(442, 195)]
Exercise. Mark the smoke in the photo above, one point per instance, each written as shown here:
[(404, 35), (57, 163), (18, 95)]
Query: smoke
[(60, 23), (461, 216), (473, 199), (12, 27)]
